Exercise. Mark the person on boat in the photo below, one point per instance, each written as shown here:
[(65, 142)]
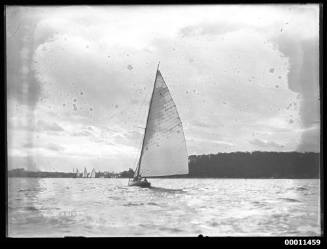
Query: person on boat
[(137, 178)]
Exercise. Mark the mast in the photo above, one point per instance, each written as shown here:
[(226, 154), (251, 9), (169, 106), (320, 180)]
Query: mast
[(147, 120)]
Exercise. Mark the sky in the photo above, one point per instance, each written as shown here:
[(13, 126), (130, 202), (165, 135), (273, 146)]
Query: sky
[(79, 80)]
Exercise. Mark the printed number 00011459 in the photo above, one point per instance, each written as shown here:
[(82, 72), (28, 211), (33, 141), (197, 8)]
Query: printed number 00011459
[(302, 242)]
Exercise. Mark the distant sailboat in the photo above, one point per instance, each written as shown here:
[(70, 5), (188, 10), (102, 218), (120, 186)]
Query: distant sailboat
[(76, 173), (84, 173), (163, 151), (92, 173)]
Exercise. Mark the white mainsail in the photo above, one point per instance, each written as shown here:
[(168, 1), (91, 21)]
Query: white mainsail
[(84, 173), (164, 148), (93, 173)]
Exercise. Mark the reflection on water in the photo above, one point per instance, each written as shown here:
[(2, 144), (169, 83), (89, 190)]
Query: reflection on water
[(172, 207), (168, 190)]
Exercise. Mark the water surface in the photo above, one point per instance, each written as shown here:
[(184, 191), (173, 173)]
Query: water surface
[(56, 207)]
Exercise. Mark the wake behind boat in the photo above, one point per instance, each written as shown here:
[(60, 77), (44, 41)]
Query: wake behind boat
[(163, 151)]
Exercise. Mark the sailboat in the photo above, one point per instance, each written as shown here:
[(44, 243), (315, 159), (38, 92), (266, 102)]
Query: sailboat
[(92, 173), (163, 151), (84, 173), (76, 173)]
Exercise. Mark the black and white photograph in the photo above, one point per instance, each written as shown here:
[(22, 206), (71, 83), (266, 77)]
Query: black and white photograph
[(163, 120)]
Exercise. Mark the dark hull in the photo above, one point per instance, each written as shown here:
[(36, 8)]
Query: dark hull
[(141, 184)]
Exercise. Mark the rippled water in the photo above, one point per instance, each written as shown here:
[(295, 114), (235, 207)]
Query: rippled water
[(52, 207)]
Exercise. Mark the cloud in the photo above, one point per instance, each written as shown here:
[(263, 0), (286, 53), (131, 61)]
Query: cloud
[(265, 144), (42, 125), (209, 29), (82, 133), (234, 80), (28, 145), (48, 146), (55, 147), (303, 78)]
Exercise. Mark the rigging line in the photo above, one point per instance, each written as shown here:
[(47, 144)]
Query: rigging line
[(138, 116)]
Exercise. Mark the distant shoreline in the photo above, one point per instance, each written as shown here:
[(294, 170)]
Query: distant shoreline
[(234, 165), (174, 178)]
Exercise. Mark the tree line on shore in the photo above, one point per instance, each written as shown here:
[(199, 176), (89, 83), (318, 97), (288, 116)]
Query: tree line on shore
[(255, 165)]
